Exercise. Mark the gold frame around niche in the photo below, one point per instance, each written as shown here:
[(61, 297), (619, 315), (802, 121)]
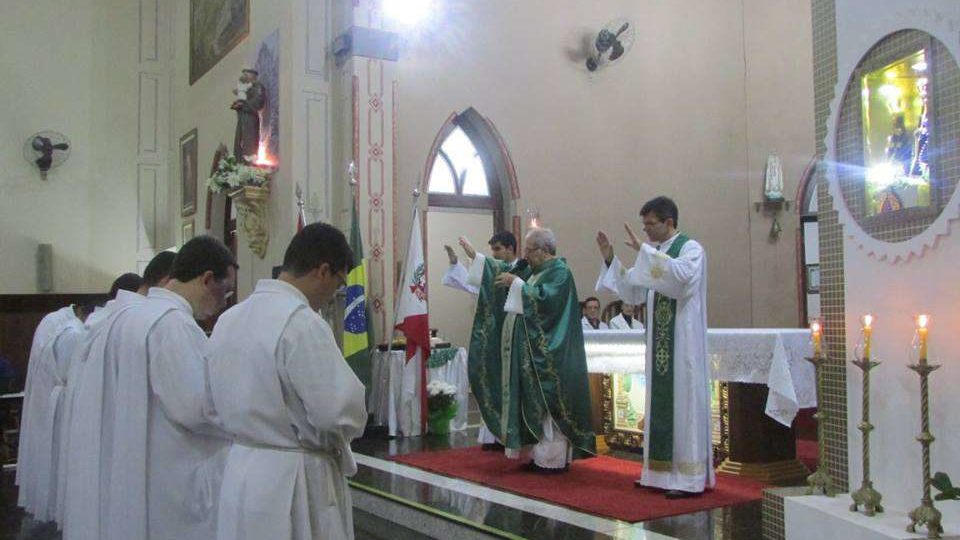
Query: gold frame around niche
[(633, 440)]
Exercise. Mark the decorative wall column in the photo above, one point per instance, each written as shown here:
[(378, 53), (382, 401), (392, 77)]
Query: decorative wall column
[(369, 73)]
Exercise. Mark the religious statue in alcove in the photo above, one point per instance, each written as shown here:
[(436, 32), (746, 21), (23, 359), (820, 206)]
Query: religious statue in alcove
[(251, 99)]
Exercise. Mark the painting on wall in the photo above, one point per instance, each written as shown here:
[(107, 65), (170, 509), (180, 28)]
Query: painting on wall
[(267, 62), (216, 27), (187, 231), (188, 173)]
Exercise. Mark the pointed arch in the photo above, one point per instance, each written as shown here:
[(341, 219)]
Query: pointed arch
[(501, 176)]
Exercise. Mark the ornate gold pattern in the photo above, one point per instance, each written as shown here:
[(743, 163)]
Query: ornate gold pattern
[(251, 203)]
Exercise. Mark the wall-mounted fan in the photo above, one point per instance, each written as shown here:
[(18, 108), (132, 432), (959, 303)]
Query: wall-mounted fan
[(612, 42), (46, 150)]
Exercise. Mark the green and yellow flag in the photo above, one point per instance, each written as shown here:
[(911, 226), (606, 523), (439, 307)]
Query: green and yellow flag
[(357, 330)]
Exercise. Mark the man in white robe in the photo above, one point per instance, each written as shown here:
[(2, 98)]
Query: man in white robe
[(677, 433), (54, 342), (161, 459), (591, 315), (82, 422), (283, 390), (625, 320), (503, 247)]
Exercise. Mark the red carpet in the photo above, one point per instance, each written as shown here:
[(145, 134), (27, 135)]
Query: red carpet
[(601, 485)]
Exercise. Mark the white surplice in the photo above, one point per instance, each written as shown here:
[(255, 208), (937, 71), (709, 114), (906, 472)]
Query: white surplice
[(161, 457), (685, 280), (87, 422), (283, 390), (620, 323), (49, 372), (585, 324)]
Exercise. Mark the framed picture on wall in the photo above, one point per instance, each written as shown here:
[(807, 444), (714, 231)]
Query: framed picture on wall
[(813, 278), (188, 173), (186, 231), (216, 27)]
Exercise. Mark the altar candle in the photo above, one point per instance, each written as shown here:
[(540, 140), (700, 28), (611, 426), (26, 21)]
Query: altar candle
[(923, 321), (867, 322), (815, 334)]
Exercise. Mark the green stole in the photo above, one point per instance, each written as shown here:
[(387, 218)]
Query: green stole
[(660, 446)]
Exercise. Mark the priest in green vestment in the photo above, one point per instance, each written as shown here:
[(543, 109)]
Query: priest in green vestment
[(671, 273), (527, 365)]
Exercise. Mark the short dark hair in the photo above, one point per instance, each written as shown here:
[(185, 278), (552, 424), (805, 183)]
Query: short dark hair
[(199, 255), (663, 208), (316, 244), (158, 268), (127, 282), (505, 239), (590, 299)]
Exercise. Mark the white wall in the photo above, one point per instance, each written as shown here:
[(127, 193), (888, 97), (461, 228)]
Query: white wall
[(451, 311), (707, 91), (75, 74), (895, 292)]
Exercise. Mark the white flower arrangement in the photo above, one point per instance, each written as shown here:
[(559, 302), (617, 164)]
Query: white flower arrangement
[(441, 396), (231, 175)]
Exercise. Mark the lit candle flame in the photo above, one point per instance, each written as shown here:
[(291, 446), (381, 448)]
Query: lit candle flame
[(867, 321), (815, 329), (923, 320), (262, 157), (923, 333), (535, 223)]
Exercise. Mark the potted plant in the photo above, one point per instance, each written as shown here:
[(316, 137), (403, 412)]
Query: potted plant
[(441, 406)]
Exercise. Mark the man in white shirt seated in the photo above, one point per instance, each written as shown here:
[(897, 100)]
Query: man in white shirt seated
[(625, 320), (591, 315)]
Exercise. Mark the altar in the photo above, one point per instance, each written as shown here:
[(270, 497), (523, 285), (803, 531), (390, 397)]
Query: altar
[(761, 380), (394, 396)]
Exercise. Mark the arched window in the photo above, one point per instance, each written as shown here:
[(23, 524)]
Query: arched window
[(458, 170)]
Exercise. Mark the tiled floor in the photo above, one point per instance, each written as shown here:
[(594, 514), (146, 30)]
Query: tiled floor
[(496, 510)]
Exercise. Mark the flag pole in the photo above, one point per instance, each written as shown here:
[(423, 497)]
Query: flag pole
[(393, 327), (403, 272)]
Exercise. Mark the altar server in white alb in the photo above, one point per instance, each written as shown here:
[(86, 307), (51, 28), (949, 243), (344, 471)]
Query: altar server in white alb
[(677, 454), (87, 393), (283, 390), (165, 452), (54, 342)]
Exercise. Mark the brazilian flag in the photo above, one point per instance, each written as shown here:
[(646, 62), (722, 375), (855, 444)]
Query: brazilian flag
[(357, 330)]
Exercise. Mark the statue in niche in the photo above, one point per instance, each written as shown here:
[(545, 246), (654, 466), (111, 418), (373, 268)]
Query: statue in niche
[(251, 99)]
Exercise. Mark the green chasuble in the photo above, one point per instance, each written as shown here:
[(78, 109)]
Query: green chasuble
[(523, 366)]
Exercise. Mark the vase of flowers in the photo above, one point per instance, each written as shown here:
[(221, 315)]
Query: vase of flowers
[(232, 174), (441, 406), (249, 188)]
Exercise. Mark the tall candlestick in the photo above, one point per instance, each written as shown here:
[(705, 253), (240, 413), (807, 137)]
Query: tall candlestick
[(925, 514), (866, 497)]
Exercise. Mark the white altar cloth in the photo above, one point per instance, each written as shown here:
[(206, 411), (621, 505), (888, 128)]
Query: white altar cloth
[(394, 397), (770, 356), (815, 516)]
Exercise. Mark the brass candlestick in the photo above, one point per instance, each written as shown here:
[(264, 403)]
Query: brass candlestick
[(866, 496), (820, 482), (926, 513)]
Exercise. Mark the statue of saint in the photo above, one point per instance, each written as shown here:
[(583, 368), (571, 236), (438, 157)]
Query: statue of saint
[(251, 98)]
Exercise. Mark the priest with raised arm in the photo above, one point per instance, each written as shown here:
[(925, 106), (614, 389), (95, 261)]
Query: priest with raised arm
[(527, 364), (291, 402), (503, 247), (671, 271)]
